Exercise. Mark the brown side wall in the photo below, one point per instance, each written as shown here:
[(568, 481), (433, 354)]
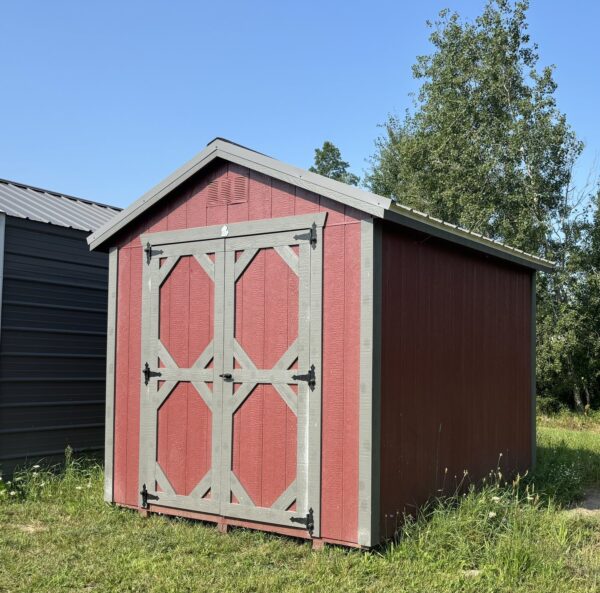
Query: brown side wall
[(456, 369)]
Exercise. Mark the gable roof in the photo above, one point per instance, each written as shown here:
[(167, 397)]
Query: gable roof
[(25, 201), (376, 206)]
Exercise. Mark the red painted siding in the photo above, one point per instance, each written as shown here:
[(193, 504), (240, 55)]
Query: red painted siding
[(264, 428), (245, 195), (455, 376)]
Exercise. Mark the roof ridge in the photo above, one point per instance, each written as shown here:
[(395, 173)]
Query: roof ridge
[(363, 200), (58, 194)]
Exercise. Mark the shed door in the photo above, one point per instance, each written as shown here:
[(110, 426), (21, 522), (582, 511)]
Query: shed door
[(232, 425), (181, 392)]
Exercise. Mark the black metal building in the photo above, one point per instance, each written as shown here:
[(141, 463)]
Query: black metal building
[(53, 295)]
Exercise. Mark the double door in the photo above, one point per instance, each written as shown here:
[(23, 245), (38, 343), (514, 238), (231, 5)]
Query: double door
[(231, 372)]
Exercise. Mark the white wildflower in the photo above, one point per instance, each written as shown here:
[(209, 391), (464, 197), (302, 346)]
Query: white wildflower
[(491, 514), (12, 493), (36, 466), (496, 498), (77, 487)]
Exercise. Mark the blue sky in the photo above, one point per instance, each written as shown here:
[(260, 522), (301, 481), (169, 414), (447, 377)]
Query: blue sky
[(104, 99)]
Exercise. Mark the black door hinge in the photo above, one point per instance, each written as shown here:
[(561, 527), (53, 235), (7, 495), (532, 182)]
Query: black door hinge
[(146, 496), (150, 252), (149, 373), (310, 236), (310, 378), (308, 521)]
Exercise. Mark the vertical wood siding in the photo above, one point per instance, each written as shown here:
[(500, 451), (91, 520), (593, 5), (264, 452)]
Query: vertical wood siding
[(455, 369), (264, 428), (233, 194)]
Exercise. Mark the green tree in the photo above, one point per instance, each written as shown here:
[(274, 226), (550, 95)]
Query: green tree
[(568, 329), (485, 146), (329, 162)]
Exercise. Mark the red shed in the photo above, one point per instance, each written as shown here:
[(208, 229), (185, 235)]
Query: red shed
[(293, 354)]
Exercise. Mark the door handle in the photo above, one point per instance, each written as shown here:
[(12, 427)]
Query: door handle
[(226, 376)]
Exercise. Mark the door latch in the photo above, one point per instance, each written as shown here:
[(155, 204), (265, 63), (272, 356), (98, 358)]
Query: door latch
[(146, 496), (310, 378), (226, 377), (308, 521), (149, 373)]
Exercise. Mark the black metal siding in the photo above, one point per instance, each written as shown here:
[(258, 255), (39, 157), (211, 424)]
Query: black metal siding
[(52, 346)]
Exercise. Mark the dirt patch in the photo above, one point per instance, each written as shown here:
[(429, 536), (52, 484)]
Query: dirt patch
[(589, 506), (32, 528)]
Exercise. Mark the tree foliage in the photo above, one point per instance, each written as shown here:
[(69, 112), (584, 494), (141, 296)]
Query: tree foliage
[(329, 162), (486, 147)]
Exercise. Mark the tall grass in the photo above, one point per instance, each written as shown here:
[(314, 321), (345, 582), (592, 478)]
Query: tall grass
[(58, 535)]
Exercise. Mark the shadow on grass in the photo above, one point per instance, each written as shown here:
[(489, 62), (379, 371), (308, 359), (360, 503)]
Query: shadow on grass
[(565, 471)]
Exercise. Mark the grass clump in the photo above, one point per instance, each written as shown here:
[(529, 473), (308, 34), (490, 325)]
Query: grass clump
[(58, 535)]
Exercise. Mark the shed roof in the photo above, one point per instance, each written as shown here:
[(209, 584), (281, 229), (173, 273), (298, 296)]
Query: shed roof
[(377, 206), (25, 201)]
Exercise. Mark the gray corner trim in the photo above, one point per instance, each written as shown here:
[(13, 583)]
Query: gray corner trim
[(368, 460), (533, 370), (113, 269), (236, 229), (2, 230), (437, 228), (376, 406)]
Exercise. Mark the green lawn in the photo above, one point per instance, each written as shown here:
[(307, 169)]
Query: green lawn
[(57, 535)]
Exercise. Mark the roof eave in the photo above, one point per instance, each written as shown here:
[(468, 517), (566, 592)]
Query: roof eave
[(369, 203), (337, 191), (438, 228)]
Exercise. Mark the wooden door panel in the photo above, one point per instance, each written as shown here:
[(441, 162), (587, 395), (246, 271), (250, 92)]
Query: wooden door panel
[(181, 396), (266, 411)]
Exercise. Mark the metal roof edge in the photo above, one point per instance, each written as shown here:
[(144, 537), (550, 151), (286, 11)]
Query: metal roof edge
[(370, 203), (59, 194), (444, 230), (151, 197), (219, 148)]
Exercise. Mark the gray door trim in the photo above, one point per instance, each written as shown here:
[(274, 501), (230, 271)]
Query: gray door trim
[(279, 234), (369, 406), (236, 229), (111, 350)]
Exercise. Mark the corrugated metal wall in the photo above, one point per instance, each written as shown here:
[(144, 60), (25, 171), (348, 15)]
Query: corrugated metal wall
[(52, 343)]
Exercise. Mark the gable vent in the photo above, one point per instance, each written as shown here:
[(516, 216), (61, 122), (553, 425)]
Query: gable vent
[(228, 190)]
